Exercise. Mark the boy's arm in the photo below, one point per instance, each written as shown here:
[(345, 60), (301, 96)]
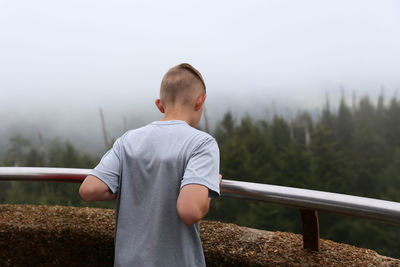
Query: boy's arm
[(199, 182), (193, 202), (94, 189), (102, 183)]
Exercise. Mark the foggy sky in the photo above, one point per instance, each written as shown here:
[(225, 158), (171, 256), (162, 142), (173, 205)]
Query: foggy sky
[(62, 60)]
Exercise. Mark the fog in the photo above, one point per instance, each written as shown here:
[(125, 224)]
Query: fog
[(60, 61)]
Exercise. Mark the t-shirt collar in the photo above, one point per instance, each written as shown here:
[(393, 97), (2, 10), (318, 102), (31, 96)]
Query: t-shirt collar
[(169, 122)]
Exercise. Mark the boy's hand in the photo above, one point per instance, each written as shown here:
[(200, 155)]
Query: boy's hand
[(220, 180)]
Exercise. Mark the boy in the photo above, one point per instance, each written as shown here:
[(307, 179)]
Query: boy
[(163, 176)]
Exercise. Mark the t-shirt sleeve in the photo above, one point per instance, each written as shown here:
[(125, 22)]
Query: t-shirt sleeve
[(109, 168), (203, 167)]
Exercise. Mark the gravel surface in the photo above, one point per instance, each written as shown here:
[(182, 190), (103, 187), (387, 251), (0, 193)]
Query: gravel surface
[(69, 236)]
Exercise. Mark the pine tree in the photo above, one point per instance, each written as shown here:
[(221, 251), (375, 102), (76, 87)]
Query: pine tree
[(16, 154), (369, 152), (392, 124), (344, 126), (327, 162), (225, 129)]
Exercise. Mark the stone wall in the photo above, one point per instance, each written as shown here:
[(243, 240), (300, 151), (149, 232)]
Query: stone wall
[(69, 236)]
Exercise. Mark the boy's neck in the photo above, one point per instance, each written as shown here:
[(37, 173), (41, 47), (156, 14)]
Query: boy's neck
[(174, 117), (182, 116)]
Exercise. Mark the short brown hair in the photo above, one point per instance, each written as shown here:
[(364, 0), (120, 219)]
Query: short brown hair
[(181, 81)]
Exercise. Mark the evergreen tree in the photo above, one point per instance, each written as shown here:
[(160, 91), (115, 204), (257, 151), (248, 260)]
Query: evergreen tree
[(327, 119), (389, 184), (225, 129), (392, 124), (280, 134), (344, 126), (302, 127), (17, 153), (370, 151)]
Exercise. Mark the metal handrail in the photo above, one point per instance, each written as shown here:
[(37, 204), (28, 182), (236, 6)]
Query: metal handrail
[(369, 208), (304, 199), (362, 207), (43, 174)]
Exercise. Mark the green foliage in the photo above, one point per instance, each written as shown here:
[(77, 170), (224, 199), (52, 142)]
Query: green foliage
[(354, 151)]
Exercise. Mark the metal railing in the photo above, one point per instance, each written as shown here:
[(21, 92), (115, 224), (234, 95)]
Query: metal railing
[(308, 201)]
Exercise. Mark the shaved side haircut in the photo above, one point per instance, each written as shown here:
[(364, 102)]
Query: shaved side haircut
[(181, 84)]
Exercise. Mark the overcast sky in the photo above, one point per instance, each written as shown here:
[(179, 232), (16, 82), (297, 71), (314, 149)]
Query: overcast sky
[(62, 60)]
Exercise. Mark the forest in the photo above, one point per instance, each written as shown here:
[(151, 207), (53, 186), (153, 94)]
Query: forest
[(351, 149)]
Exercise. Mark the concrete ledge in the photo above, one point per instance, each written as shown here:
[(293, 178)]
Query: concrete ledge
[(69, 236)]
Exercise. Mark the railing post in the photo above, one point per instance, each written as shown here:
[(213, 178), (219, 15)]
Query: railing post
[(310, 222)]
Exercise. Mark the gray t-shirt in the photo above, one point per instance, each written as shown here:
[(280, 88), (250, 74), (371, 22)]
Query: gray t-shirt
[(147, 167)]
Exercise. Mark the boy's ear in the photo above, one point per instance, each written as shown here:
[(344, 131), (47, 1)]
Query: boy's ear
[(160, 106), (200, 101)]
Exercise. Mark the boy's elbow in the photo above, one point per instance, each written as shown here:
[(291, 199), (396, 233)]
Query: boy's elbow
[(86, 193), (190, 215)]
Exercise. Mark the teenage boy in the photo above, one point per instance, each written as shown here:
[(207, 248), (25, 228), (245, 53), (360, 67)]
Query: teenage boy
[(163, 176)]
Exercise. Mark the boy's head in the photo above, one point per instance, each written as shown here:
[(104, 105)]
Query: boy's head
[(182, 87)]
